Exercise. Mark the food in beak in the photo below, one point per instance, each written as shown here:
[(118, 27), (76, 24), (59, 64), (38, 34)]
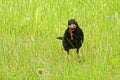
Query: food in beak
[(72, 27), (70, 32)]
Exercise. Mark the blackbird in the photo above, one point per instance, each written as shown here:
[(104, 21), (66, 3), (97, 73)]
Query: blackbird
[(73, 37)]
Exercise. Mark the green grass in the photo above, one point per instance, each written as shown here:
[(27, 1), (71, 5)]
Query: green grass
[(29, 49)]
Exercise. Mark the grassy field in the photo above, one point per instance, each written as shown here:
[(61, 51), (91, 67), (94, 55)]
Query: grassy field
[(29, 49)]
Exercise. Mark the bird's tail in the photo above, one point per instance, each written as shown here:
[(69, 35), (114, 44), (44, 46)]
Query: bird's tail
[(60, 38)]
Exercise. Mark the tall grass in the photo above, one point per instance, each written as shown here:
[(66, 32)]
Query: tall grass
[(29, 49)]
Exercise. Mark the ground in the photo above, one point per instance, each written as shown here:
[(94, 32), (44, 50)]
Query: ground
[(29, 48)]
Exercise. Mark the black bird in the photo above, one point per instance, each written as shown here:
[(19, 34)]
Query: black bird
[(73, 37)]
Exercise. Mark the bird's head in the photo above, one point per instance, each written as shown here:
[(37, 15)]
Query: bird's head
[(72, 25)]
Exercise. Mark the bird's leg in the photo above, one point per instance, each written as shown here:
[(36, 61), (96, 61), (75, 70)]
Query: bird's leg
[(78, 54), (68, 56)]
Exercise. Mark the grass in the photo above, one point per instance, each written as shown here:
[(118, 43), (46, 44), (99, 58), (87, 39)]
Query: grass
[(29, 49)]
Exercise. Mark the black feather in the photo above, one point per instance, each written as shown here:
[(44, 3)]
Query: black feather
[(60, 38)]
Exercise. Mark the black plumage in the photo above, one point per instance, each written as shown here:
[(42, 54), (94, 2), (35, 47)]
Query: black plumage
[(73, 37)]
